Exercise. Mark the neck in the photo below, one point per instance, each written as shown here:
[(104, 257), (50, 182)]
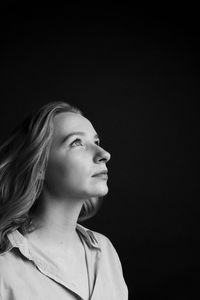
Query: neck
[(56, 220)]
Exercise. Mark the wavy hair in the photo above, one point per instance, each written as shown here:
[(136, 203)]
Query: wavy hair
[(23, 162)]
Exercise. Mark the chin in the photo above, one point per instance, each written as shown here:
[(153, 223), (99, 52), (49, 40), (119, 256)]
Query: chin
[(102, 192), (98, 190)]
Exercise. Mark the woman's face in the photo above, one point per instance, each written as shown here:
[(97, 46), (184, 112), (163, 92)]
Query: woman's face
[(75, 160)]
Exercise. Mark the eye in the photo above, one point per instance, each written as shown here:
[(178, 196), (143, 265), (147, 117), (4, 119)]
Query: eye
[(77, 142)]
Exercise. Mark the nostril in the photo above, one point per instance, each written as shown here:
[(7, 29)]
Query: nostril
[(105, 157)]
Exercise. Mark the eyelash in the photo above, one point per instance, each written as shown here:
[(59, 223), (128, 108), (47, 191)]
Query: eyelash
[(82, 144), (75, 141)]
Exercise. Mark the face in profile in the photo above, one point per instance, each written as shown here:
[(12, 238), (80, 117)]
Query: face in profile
[(77, 164)]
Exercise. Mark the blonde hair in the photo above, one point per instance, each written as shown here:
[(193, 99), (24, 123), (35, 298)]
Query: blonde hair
[(23, 162)]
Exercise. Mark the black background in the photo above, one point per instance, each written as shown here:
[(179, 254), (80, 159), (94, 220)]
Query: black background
[(134, 71)]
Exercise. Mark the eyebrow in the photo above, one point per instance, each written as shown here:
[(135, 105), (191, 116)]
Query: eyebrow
[(76, 133)]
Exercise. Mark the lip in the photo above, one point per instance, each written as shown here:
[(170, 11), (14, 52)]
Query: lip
[(103, 174)]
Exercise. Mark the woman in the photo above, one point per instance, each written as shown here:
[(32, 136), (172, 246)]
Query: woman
[(52, 174)]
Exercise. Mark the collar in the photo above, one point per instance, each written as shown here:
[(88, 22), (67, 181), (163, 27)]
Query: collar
[(17, 240), (47, 267), (89, 236)]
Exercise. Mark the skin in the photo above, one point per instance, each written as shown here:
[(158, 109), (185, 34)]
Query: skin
[(73, 163), (69, 182)]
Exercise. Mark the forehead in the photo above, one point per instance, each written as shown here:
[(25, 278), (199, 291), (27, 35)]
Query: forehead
[(67, 122)]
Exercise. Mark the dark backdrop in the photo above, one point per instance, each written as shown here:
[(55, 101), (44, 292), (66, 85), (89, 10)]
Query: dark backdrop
[(134, 71)]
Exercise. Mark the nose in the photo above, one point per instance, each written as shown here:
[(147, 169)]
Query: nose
[(102, 155)]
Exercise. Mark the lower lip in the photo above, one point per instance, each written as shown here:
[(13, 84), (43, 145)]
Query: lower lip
[(101, 176)]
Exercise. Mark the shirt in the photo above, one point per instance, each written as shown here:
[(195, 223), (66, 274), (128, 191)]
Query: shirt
[(27, 274)]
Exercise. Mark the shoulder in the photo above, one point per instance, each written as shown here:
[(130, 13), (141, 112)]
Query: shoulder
[(6, 266), (107, 248), (9, 264), (5, 259), (105, 243), (101, 239), (110, 262)]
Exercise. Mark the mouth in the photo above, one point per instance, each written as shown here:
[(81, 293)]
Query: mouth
[(103, 175)]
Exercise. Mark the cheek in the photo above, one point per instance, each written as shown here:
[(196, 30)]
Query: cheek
[(67, 172), (55, 170)]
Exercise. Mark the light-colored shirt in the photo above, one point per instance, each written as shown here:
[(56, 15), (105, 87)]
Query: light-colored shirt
[(30, 274)]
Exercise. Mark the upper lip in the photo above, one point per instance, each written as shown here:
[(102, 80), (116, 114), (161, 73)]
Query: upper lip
[(101, 172)]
